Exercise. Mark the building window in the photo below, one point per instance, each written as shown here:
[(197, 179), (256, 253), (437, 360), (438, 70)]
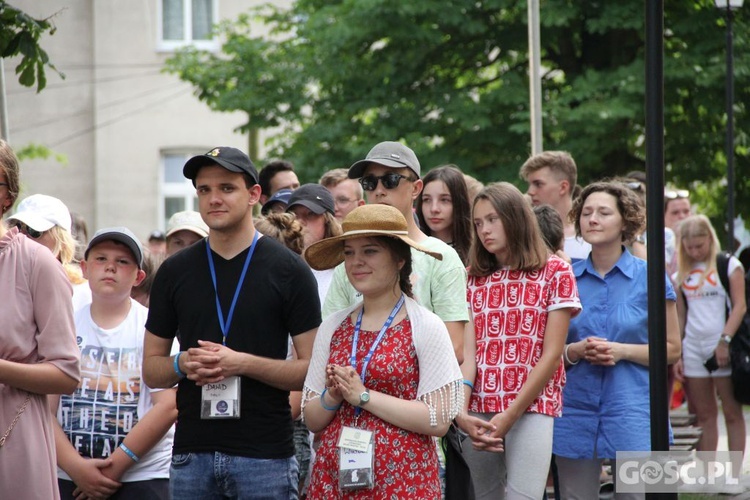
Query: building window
[(177, 192), (187, 22)]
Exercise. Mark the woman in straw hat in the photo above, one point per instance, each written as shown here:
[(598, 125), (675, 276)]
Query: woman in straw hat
[(383, 378)]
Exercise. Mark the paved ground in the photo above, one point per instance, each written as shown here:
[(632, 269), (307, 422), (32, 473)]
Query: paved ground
[(745, 479)]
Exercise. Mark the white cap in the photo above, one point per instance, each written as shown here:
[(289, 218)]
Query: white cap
[(188, 220), (42, 213)]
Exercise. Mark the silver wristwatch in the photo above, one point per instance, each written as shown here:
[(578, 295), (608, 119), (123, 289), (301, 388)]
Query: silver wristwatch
[(726, 338), (364, 398)]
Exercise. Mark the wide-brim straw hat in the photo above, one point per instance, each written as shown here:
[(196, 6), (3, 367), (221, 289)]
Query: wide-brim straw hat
[(362, 222)]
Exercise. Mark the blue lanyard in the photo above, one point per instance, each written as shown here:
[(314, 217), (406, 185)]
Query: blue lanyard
[(225, 324), (355, 340)]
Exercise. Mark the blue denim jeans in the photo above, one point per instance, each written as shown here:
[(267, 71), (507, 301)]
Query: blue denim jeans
[(219, 476)]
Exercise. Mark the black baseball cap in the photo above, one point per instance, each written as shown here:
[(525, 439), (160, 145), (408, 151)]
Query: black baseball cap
[(313, 196), (232, 159), (281, 197)]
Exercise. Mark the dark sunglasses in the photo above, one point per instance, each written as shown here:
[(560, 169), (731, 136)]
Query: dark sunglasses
[(677, 193), (27, 230), (390, 180)]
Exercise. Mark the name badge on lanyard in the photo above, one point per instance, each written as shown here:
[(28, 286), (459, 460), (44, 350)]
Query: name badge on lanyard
[(356, 459), (222, 399)]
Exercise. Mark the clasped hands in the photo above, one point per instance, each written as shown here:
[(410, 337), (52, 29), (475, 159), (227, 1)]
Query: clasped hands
[(343, 383), (598, 351), (210, 362), (484, 435)]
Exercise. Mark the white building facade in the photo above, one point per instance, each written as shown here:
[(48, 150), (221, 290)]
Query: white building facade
[(125, 127)]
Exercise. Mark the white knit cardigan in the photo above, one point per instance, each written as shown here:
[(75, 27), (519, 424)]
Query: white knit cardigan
[(440, 378)]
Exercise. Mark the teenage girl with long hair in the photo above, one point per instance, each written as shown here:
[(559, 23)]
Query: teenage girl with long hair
[(707, 331), (522, 299), (444, 209)]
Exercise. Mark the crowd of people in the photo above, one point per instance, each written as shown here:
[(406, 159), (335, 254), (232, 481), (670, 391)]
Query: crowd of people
[(317, 340)]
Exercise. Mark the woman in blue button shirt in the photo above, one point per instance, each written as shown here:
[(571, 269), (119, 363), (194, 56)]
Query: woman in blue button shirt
[(606, 399)]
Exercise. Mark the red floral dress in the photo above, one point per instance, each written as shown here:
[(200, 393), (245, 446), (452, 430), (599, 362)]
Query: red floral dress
[(406, 464)]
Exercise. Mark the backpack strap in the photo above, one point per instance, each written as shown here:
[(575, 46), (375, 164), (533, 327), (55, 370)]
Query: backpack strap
[(722, 269)]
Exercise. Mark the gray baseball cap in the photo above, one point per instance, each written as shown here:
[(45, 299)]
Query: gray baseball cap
[(389, 154), (119, 234)]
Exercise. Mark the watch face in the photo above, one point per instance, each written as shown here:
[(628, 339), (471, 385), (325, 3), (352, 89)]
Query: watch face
[(364, 398)]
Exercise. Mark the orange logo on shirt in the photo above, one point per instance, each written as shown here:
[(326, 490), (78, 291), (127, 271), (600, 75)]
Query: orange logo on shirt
[(694, 278)]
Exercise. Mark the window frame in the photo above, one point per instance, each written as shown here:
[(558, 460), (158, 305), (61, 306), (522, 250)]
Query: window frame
[(184, 189), (163, 45)]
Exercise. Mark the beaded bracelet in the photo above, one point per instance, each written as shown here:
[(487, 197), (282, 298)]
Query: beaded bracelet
[(129, 453), (176, 365), (323, 403)]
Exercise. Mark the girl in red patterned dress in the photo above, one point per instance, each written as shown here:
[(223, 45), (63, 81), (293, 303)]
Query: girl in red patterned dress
[(522, 299), (384, 366)]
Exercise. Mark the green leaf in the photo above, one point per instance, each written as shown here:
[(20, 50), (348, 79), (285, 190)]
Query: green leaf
[(27, 77), (27, 45), (41, 81)]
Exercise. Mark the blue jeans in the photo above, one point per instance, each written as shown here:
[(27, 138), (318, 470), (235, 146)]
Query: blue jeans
[(218, 476)]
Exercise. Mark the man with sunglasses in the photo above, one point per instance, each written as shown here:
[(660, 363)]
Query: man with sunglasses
[(676, 207), (390, 175)]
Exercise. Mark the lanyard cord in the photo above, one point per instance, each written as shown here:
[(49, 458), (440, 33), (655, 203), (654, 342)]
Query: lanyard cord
[(225, 324), (355, 340)]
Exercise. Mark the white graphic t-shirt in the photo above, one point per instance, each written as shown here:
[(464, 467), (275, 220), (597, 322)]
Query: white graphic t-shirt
[(706, 312), (111, 397)]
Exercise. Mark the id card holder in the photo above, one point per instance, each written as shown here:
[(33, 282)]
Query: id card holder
[(356, 459), (221, 400)]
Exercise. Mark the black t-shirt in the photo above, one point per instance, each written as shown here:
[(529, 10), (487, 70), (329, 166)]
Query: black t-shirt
[(279, 297)]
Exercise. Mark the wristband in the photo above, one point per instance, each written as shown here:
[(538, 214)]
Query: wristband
[(566, 357), (469, 384), (176, 365), (129, 453), (324, 405)]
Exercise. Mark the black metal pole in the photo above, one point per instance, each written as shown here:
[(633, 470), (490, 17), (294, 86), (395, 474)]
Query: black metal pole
[(657, 341), (730, 133)]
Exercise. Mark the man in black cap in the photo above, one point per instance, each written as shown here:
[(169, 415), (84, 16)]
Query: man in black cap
[(234, 300)]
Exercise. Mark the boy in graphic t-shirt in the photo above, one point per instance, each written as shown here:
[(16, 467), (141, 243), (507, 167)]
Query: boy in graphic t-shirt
[(114, 433)]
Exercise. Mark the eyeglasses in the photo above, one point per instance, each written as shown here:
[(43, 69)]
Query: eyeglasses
[(343, 201), (30, 231), (676, 193), (390, 180)]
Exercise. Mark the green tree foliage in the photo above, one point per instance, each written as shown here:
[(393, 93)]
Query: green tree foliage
[(36, 151), (450, 77), (20, 34)]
